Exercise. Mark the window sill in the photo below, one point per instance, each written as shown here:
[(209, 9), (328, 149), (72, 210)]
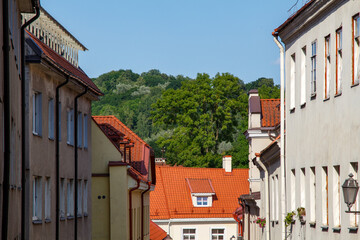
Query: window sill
[(303, 105), (69, 144), (326, 99), (302, 222), (336, 229), (70, 217), (292, 110), (338, 95), (62, 218), (37, 134), (325, 227), (37, 221), (313, 96), (79, 215), (85, 215), (47, 220), (353, 229), (312, 224), (355, 84)]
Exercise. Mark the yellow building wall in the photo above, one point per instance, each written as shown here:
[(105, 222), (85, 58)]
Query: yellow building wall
[(100, 208)]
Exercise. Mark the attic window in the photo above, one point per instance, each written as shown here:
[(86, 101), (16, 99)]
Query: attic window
[(201, 191), (201, 201)]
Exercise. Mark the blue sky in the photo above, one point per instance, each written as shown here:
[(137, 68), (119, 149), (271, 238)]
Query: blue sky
[(176, 36)]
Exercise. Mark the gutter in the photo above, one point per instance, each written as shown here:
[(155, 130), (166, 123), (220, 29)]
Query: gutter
[(76, 158), (7, 122), (24, 129), (130, 207), (57, 155), (267, 205), (282, 138), (142, 210)]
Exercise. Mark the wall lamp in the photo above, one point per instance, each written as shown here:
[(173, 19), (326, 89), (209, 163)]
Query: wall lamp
[(350, 190)]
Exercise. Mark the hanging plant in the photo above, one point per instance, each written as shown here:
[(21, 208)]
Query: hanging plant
[(261, 222), (301, 214), (289, 219)]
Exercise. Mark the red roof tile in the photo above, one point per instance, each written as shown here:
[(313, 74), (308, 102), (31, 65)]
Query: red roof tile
[(64, 65), (172, 195), (200, 185), (270, 110), (156, 232)]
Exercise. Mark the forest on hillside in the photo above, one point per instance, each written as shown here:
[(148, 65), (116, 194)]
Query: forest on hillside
[(196, 121)]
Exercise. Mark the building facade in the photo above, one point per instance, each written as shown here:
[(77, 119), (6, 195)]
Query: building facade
[(322, 118)]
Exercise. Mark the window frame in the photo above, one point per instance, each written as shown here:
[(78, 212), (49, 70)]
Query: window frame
[(37, 198), (183, 235), (313, 68), (70, 198), (217, 234), (51, 119), (202, 201), (70, 127), (327, 69), (79, 129), (339, 61), (355, 49), (63, 199), (85, 125), (37, 114), (47, 196)]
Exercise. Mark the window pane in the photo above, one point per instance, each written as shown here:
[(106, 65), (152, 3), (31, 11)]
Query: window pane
[(192, 230)]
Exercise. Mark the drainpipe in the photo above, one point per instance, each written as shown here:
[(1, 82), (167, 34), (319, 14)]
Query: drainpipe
[(23, 123), (76, 157), (282, 137), (57, 155), (142, 210), (169, 227), (130, 207), (7, 122), (267, 214)]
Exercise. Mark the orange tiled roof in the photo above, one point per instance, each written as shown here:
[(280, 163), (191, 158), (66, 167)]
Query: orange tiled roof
[(172, 196), (270, 110), (139, 159), (61, 63), (200, 185), (156, 232)]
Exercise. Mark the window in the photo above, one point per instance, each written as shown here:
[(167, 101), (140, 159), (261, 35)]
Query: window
[(302, 188), (292, 201), (62, 198), (354, 218), (59, 121), (277, 198), (85, 131), (85, 196), (189, 233), (202, 201), (325, 196), (292, 82), (79, 129), (272, 200), (312, 194), (336, 196), (356, 49), (79, 198), (37, 199), (303, 76), (51, 118), (339, 61), (37, 114), (327, 67), (70, 198), (47, 199), (70, 127), (217, 234), (313, 68)]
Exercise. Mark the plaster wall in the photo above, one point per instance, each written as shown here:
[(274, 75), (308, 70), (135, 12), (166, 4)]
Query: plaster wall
[(325, 132)]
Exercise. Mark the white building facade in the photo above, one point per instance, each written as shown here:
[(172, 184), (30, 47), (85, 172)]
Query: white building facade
[(322, 141)]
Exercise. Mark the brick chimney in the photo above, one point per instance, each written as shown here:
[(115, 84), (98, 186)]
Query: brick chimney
[(226, 163)]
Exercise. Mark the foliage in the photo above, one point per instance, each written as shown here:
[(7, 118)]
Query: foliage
[(261, 222), (198, 121), (289, 218)]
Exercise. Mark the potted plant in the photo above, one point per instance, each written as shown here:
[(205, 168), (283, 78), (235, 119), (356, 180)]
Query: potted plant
[(301, 214), (289, 219), (261, 222)]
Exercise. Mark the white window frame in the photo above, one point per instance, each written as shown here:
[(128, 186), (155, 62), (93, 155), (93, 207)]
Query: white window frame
[(47, 198), (70, 198), (51, 119), (356, 49), (313, 67), (354, 218), (85, 131), (303, 77), (183, 235), (292, 81), (217, 235), (37, 198), (302, 188), (203, 199), (336, 196), (70, 127), (325, 195), (293, 190), (312, 195), (327, 67), (37, 113), (62, 198), (339, 61)]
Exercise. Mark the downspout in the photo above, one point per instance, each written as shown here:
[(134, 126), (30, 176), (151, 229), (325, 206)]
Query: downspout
[(57, 155), (76, 158), (130, 207), (267, 214), (169, 227), (23, 123), (7, 122), (282, 138), (142, 210)]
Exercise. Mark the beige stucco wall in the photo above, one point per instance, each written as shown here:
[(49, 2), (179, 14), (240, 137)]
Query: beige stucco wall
[(323, 133), (203, 229), (42, 151)]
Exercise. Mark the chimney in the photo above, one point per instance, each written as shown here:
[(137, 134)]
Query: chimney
[(254, 109), (226, 163)]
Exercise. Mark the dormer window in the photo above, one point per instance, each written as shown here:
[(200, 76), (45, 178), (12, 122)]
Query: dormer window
[(201, 191)]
